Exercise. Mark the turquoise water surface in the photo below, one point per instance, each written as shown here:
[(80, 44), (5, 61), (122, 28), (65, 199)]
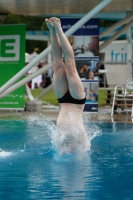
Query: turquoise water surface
[(31, 170)]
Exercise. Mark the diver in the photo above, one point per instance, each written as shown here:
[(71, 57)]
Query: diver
[(67, 86)]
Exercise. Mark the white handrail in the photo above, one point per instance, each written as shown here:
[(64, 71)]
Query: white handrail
[(25, 80)]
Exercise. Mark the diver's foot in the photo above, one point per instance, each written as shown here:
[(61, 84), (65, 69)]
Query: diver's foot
[(49, 25), (56, 23)]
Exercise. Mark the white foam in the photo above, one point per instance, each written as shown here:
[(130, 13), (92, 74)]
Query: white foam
[(4, 154), (69, 141)]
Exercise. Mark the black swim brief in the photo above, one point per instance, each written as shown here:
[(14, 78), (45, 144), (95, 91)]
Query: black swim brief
[(67, 98)]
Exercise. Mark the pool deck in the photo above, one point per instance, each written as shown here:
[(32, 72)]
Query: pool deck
[(51, 113), (104, 114)]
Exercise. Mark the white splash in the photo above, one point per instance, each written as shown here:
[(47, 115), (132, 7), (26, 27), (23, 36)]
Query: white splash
[(4, 154), (71, 139)]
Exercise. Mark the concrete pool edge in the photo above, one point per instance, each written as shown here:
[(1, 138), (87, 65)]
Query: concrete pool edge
[(51, 114)]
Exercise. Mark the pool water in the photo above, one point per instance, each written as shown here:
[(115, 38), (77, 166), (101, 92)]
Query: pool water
[(31, 169)]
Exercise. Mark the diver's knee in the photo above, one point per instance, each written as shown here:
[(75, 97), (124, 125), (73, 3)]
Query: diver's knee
[(58, 64)]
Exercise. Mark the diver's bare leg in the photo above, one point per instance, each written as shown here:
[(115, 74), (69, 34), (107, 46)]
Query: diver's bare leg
[(74, 82), (59, 81)]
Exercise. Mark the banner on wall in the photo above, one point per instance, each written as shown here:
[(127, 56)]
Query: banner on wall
[(12, 60), (91, 93), (85, 44)]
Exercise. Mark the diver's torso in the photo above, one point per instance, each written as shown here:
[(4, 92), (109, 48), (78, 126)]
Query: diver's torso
[(70, 115)]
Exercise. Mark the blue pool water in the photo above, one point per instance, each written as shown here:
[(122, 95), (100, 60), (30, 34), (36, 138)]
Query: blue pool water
[(31, 170)]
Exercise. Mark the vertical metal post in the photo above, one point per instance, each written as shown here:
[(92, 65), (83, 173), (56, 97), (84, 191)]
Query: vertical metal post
[(129, 51)]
